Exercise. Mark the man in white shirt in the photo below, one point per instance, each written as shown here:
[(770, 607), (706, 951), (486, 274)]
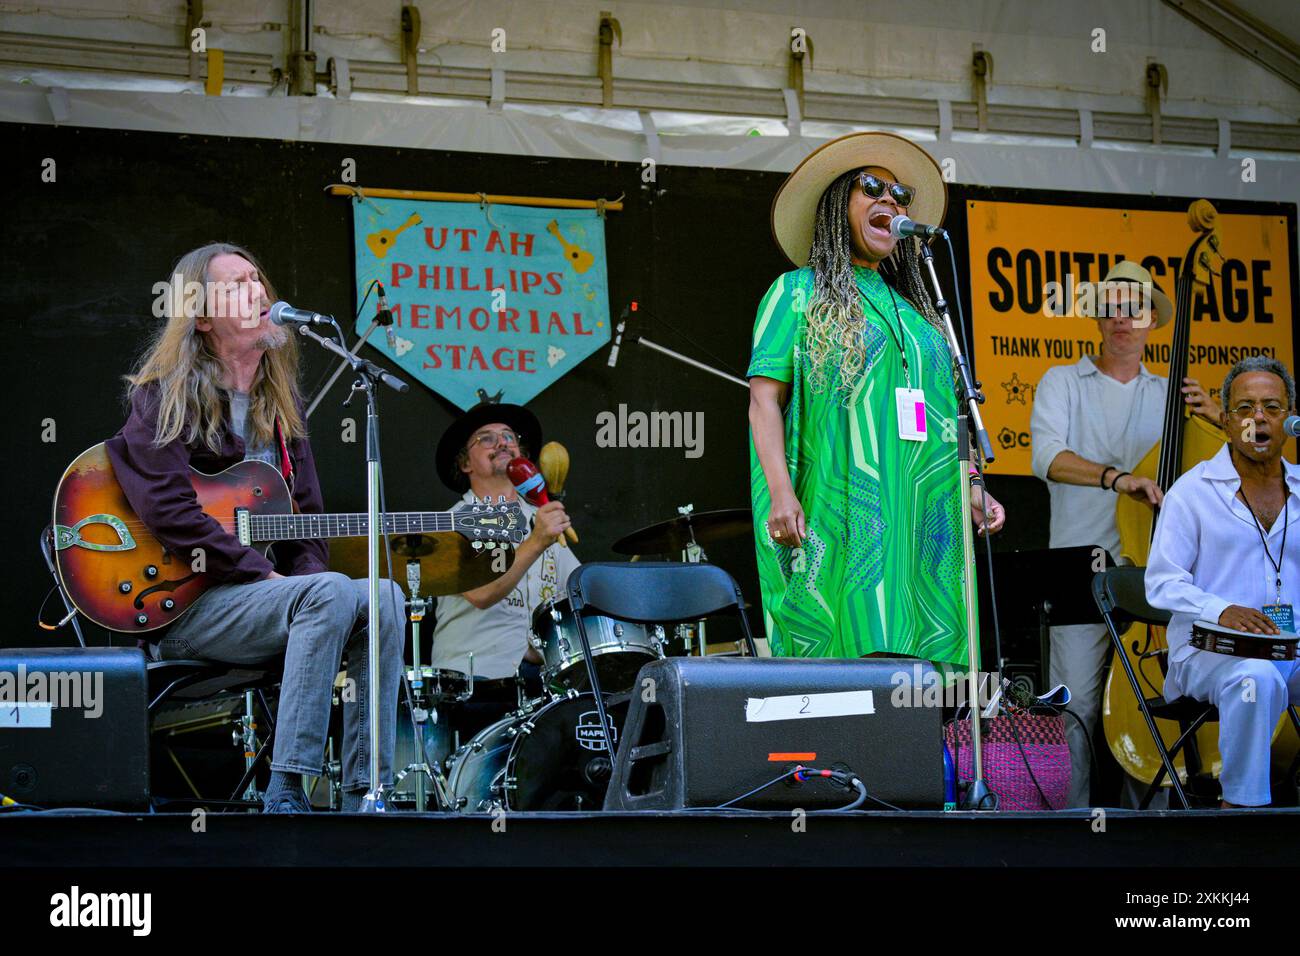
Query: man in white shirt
[(493, 621), (1092, 423), (1219, 554)]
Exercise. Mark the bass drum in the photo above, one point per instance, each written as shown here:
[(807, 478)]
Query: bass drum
[(553, 758), (559, 760)]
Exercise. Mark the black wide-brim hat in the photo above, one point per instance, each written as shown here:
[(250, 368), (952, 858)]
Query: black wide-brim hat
[(525, 425)]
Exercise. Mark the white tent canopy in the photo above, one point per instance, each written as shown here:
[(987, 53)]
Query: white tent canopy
[(1064, 102)]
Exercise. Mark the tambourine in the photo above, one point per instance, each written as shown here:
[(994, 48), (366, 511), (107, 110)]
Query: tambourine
[(1208, 636)]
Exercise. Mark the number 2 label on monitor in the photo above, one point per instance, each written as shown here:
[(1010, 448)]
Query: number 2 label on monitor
[(804, 706)]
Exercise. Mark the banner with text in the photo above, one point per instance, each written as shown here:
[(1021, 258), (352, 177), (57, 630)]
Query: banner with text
[(1027, 259), (485, 299)]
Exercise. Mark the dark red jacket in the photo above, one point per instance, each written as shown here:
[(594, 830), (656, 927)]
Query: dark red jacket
[(156, 483)]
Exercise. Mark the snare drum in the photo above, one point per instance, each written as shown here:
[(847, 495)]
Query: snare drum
[(619, 649), (440, 686)]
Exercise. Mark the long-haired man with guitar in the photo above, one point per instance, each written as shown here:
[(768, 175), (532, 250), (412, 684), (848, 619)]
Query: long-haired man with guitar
[(1092, 423), (217, 386)]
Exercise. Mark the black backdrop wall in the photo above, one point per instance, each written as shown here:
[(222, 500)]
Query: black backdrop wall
[(80, 256)]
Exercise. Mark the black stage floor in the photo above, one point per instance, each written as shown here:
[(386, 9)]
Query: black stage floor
[(1074, 838)]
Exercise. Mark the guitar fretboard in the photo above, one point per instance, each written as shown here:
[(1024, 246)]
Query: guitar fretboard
[(298, 526)]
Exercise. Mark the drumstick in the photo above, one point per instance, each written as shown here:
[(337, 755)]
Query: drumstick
[(553, 463)]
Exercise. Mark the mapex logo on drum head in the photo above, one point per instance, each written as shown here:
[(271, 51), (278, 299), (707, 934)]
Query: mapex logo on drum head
[(588, 734)]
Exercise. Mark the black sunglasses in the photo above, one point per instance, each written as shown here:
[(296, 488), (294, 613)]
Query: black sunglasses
[(875, 187)]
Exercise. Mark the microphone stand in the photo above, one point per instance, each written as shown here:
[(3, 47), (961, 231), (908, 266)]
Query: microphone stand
[(978, 795), (376, 322), (368, 373)]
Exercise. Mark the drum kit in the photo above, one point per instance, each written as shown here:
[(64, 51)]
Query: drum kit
[(549, 752)]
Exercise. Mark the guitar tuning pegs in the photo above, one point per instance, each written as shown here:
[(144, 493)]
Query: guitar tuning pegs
[(501, 499), (487, 499), (476, 545)]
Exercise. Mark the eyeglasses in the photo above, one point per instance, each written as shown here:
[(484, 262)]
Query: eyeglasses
[(1272, 409), (875, 187), (489, 439)]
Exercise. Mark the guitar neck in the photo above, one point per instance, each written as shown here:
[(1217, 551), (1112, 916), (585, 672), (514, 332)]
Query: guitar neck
[(287, 527)]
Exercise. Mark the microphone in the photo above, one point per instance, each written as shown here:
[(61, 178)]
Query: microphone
[(1292, 426), (384, 316), (618, 333), (282, 313), (901, 226)]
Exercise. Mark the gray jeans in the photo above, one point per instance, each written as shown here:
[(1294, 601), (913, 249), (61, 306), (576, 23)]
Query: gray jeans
[(310, 619)]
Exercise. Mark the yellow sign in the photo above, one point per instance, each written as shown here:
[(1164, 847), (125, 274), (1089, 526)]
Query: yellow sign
[(1026, 258)]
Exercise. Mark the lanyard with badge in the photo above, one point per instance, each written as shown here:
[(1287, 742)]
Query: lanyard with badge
[(910, 401), (1283, 615)]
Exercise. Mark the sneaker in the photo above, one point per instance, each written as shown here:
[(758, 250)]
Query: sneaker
[(288, 801)]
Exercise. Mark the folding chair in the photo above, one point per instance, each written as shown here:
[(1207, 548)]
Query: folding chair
[(1120, 594), (650, 592)]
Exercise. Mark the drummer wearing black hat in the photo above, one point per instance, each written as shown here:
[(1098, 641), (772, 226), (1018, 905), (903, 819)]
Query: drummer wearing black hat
[(492, 622)]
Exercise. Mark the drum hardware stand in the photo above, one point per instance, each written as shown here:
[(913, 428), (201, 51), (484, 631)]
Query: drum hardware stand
[(334, 771), (978, 795), (368, 375), (694, 554), (245, 735), (420, 715)]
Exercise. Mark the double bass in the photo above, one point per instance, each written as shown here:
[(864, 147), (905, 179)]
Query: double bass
[(1185, 441)]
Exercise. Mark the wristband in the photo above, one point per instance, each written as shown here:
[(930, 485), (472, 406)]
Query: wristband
[(1116, 479), (1101, 482)]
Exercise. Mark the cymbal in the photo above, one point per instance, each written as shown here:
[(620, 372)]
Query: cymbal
[(708, 528), (448, 562)]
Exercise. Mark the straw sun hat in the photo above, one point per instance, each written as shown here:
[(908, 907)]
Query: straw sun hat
[(794, 210), (1130, 271)]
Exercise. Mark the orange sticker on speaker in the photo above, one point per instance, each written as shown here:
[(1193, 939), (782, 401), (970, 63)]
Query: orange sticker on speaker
[(787, 758)]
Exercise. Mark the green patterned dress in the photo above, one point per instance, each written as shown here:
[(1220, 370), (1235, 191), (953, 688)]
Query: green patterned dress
[(881, 569)]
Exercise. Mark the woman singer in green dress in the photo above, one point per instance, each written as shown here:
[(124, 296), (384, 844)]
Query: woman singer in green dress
[(853, 454)]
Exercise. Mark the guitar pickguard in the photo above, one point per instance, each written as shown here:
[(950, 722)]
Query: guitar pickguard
[(70, 537)]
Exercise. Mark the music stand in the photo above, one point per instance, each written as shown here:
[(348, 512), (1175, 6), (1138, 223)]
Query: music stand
[(1053, 589)]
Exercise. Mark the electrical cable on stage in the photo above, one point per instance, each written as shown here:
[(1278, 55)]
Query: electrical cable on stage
[(803, 774)]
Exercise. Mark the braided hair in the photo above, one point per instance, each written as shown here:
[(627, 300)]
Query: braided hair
[(834, 310)]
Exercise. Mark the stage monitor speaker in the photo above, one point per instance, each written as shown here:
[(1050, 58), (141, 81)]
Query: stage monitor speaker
[(701, 732), (74, 727)]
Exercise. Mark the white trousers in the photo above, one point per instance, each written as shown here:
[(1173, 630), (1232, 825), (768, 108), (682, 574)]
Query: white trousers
[(1251, 696), (1077, 655)]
